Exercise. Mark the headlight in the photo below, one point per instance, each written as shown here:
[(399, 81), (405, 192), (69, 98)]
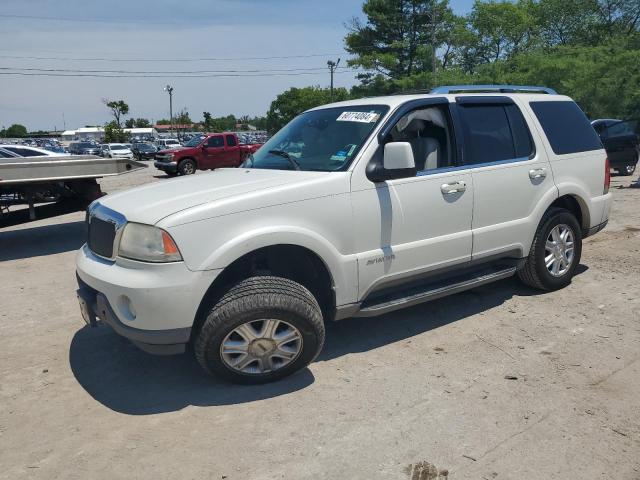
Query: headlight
[(148, 244)]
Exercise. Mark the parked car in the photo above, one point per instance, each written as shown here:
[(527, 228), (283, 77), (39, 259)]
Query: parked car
[(353, 209), (117, 150), (54, 148), (166, 143), (204, 153), (621, 141), (27, 151), (84, 148), (144, 151)]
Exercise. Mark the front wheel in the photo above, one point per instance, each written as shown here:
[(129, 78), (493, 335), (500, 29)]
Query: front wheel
[(263, 329), (187, 167), (555, 252)]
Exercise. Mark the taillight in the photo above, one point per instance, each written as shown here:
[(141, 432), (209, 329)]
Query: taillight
[(607, 175)]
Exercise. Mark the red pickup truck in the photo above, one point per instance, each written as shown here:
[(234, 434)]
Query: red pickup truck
[(213, 150)]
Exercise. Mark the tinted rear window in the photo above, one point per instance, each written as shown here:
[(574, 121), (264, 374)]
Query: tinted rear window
[(566, 127)]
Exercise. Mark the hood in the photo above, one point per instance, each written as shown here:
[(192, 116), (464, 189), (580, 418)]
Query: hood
[(167, 150), (235, 188)]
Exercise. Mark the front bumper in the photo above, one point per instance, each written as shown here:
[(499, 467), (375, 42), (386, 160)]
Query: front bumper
[(166, 166), (96, 307), (153, 305)]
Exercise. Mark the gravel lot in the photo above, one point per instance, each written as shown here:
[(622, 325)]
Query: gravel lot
[(501, 382)]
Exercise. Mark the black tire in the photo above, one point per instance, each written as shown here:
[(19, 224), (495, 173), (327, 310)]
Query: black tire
[(187, 167), (628, 170), (534, 272), (251, 300)]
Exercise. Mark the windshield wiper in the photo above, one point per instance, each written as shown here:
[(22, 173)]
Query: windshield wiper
[(284, 154)]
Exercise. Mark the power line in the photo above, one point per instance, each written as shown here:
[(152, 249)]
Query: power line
[(196, 59), (165, 72), (94, 20), (99, 75)]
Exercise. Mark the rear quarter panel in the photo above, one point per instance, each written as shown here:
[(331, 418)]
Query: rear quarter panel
[(580, 175)]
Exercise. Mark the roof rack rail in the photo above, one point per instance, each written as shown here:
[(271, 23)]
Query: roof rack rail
[(493, 88)]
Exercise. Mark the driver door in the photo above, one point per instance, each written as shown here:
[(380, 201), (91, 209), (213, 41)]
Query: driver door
[(213, 153), (407, 229)]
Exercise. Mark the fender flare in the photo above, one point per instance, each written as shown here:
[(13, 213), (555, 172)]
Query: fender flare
[(342, 268)]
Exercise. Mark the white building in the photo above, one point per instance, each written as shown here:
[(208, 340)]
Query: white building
[(83, 134)]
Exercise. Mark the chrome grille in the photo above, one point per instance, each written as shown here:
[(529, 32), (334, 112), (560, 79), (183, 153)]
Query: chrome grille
[(104, 227)]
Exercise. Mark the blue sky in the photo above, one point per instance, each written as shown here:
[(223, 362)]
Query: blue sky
[(153, 34)]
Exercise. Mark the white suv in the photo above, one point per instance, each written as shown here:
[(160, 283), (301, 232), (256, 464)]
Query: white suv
[(353, 209)]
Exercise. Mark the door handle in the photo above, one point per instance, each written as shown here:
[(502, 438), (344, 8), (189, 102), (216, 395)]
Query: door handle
[(537, 173), (453, 188)]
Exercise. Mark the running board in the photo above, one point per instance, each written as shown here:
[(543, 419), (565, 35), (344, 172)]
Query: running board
[(432, 292)]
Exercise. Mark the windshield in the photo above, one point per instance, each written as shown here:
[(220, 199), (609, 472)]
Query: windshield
[(194, 142), (323, 140), (118, 146)]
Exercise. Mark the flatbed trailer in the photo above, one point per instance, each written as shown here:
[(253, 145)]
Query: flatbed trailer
[(70, 180)]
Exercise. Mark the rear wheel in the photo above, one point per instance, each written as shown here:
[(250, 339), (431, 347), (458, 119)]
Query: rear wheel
[(628, 170), (187, 167), (263, 329), (555, 252)]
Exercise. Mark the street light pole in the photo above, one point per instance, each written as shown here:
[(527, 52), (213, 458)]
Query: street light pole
[(169, 89), (332, 68)]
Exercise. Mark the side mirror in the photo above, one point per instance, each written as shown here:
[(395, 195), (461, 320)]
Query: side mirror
[(397, 162)]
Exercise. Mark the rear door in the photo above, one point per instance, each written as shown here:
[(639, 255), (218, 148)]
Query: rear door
[(510, 175)]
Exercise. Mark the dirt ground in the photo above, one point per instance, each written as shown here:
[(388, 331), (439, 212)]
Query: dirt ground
[(501, 382)]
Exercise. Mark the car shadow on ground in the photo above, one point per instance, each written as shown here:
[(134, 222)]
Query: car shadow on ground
[(129, 381), (42, 240)]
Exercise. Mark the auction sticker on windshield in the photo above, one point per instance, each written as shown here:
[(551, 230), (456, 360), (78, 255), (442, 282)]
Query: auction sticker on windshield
[(364, 117)]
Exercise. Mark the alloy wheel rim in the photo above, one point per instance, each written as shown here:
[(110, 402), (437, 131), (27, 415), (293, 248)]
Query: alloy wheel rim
[(261, 346), (559, 250)]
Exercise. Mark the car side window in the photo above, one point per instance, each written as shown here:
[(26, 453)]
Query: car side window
[(494, 133), (215, 142), (428, 131), (231, 141), (24, 152), (566, 127)]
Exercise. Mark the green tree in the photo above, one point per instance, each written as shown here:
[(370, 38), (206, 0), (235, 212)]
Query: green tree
[(137, 123), (398, 37), (118, 109), (182, 118), (208, 121), (502, 28), (294, 101), (113, 133), (15, 130), (224, 124)]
